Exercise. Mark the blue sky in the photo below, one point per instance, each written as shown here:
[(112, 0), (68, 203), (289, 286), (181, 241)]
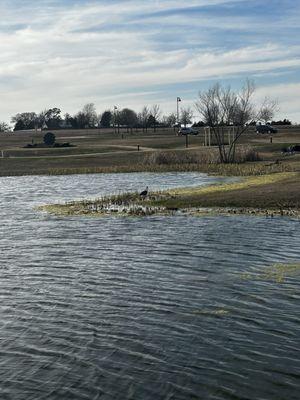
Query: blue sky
[(133, 53)]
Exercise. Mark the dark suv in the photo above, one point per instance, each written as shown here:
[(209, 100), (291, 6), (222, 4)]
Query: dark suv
[(265, 129)]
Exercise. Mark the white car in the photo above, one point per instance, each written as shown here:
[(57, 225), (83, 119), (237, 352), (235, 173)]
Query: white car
[(187, 131)]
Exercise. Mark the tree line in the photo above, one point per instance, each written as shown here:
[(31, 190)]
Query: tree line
[(149, 117), (217, 107)]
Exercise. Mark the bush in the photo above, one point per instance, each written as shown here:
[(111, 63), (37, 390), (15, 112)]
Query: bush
[(246, 154), (209, 156), (49, 139), (205, 156)]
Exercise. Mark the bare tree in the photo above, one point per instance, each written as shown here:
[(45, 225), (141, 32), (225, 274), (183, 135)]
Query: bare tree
[(170, 120), (222, 107), (154, 116), (143, 117), (186, 116), (267, 110), (90, 114)]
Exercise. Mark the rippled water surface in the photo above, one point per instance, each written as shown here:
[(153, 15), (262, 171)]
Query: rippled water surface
[(143, 308)]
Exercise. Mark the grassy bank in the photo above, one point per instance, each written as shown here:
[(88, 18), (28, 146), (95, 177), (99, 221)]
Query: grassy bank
[(272, 191), (271, 194), (135, 162)]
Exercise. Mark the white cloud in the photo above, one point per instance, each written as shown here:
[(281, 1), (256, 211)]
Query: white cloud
[(52, 57), (288, 99)]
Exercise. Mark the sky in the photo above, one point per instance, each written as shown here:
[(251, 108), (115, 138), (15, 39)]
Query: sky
[(132, 53)]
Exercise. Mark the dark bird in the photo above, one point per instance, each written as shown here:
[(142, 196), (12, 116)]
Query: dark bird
[(144, 192)]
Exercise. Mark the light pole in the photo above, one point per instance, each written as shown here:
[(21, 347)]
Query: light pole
[(178, 101), (115, 109)]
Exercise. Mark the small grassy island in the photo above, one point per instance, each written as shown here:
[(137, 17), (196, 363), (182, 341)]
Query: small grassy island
[(269, 194)]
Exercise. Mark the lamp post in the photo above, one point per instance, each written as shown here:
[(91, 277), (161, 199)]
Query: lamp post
[(115, 109), (178, 101)]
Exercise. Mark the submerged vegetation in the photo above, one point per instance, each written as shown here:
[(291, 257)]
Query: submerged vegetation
[(277, 272)]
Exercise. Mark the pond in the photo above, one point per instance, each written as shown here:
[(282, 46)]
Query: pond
[(175, 307)]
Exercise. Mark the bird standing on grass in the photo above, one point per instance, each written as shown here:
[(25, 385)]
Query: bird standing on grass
[(144, 192)]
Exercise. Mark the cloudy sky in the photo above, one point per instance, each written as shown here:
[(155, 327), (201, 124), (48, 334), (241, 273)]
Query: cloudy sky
[(132, 53)]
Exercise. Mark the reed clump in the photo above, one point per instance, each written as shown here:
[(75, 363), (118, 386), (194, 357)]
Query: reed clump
[(248, 169), (207, 155), (245, 169), (210, 156), (128, 203)]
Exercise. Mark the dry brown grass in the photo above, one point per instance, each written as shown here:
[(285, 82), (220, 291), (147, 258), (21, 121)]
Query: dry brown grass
[(99, 151), (244, 153)]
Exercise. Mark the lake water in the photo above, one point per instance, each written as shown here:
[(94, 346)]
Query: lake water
[(143, 308)]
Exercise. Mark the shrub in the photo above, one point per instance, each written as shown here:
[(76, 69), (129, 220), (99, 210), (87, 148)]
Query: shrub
[(49, 139), (204, 156), (246, 154), (208, 156)]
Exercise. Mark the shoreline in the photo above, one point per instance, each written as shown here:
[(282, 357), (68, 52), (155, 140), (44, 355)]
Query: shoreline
[(237, 169), (196, 212), (265, 195)]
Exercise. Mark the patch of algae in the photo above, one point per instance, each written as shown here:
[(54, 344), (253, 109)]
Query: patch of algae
[(279, 272), (276, 273), (212, 312)]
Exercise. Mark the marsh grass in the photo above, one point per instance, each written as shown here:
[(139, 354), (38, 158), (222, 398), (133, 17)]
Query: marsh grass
[(206, 155), (128, 203), (245, 169), (192, 200)]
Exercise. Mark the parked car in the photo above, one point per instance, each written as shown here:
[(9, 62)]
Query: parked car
[(291, 149), (265, 129), (187, 131)]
